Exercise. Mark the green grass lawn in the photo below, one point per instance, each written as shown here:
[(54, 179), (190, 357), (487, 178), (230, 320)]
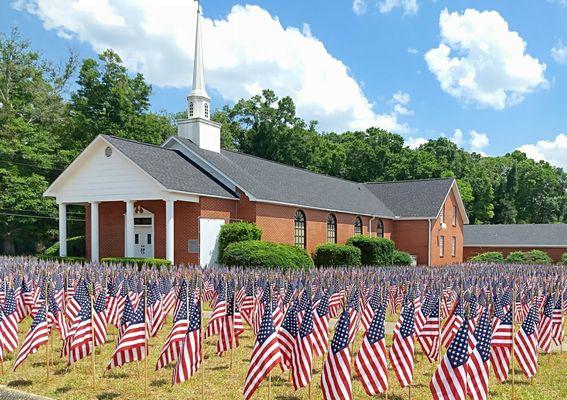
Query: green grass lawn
[(223, 382)]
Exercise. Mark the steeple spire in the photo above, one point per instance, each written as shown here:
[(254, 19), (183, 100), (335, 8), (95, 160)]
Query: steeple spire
[(198, 99)]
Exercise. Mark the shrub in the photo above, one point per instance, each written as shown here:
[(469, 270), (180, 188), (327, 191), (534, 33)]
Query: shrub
[(76, 247), (538, 257), (516, 257), (67, 259), (138, 262), (489, 256), (331, 254), (563, 259), (237, 232), (401, 258), (254, 253), (374, 251)]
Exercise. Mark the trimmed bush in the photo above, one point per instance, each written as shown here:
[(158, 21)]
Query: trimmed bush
[(563, 259), (538, 257), (138, 262), (488, 257), (68, 259), (255, 253), (237, 232), (516, 257), (76, 247), (401, 258), (374, 251), (331, 254)]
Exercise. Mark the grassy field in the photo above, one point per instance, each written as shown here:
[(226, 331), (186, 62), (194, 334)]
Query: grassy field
[(223, 382)]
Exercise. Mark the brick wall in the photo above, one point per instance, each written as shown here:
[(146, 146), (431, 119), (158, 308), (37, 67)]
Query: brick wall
[(186, 228), (412, 237), (554, 252), (451, 230), (246, 209)]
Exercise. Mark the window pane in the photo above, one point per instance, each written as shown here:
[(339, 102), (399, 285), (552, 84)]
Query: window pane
[(136, 239), (441, 246), (358, 226), (331, 229), (149, 238), (379, 228), (299, 226)]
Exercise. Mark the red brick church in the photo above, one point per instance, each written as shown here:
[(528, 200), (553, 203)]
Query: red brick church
[(170, 201)]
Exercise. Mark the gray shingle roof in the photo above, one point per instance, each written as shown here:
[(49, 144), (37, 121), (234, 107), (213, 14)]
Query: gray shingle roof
[(516, 235), (170, 168), (413, 199), (271, 181)]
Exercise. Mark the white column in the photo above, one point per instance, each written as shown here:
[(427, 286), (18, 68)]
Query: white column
[(94, 232), (129, 237), (63, 229), (169, 229)]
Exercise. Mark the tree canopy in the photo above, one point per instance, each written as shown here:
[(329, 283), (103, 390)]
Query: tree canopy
[(50, 113)]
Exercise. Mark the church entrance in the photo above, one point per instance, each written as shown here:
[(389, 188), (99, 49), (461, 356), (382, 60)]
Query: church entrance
[(143, 234)]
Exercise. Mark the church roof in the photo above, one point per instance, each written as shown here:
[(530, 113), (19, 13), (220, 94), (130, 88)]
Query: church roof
[(170, 168), (413, 198), (516, 235)]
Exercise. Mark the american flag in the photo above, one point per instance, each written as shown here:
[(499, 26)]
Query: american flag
[(215, 322), (81, 340), (265, 356), (247, 304), (231, 324), (302, 357), (335, 377), (112, 300), (132, 344), (55, 316), (321, 326), (478, 364), (37, 335), (526, 342), (370, 309), (74, 304), (156, 314), (428, 336), (100, 324), (453, 324), (545, 329), (354, 314), (502, 337), (191, 347), (174, 341), (370, 362), (287, 334), (557, 331), (401, 352), (450, 378), (24, 298), (9, 324)]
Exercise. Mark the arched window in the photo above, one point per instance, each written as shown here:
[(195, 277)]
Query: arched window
[(379, 228), (300, 229), (358, 226), (191, 109), (331, 229), (206, 110)]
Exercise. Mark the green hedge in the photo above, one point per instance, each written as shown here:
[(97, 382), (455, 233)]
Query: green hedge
[(401, 258), (538, 257), (139, 262), (489, 256), (563, 259), (68, 259), (374, 251), (516, 257), (331, 254), (76, 247), (254, 253), (237, 232)]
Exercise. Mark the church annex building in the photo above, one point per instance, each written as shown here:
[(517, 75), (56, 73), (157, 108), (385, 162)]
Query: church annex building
[(170, 201)]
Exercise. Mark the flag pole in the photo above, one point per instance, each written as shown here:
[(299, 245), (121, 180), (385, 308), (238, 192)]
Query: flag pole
[(202, 339), (48, 332), (93, 363), (512, 351), (145, 339)]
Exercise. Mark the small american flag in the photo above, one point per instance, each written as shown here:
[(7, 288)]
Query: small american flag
[(370, 362), (502, 337), (402, 350), (287, 334), (302, 357), (450, 377), (478, 364), (335, 377), (37, 335), (526, 343), (452, 325), (557, 331), (174, 341), (266, 354), (9, 324), (100, 324), (428, 336), (545, 329), (191, 352), (132, 345), (321, 319)]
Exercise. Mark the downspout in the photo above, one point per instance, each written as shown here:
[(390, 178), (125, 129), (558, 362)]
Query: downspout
[(370, 226), (429, 242)]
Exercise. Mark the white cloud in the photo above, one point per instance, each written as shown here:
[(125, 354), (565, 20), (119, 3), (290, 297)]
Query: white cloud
[(246, 51), (412, 50), (559, 53), (479, 141), (414, 143), (553, 151), (480, 60), (409, 7), (359, 7), (457, 137)]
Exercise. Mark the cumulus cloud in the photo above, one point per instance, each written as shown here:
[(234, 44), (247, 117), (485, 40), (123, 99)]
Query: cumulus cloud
[(412, 50), (409, 7), (245, 52), (479, 141), (457, 137), (415, 142), (481, 60), (559, 53), (553, 151), (359, 7)]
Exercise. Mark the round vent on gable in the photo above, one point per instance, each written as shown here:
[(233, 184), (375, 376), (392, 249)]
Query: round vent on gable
[(108, 151)]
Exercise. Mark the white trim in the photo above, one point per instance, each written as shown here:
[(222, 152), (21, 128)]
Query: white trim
[(62, 229), (95, 234), (460, 203), (518, 245), (429, 242)]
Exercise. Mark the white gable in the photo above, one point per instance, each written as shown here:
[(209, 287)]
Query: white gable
[(103, 173)]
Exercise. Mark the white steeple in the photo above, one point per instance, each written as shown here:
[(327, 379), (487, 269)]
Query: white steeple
[(198, 126)]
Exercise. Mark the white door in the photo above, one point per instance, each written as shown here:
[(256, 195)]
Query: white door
[(209, 240), (143, 242)]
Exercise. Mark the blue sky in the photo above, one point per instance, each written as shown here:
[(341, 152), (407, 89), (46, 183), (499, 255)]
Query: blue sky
[(491, 75)]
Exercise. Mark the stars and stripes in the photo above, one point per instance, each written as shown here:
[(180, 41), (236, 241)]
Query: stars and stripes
[(336, 381), (545, 328), (191, 352), (526, 343), (478, 364), (9, 324), (302, 355), (174, 341), (321, 320), (36, 336), (502, 336), (402, 350)]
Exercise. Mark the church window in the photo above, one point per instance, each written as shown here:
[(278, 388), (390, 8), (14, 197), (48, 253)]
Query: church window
[(331, 229), (358, 226), (300, 229), (191, 109), (206, 110)]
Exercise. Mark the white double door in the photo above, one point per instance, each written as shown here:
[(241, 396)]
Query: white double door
[(143, 241)]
